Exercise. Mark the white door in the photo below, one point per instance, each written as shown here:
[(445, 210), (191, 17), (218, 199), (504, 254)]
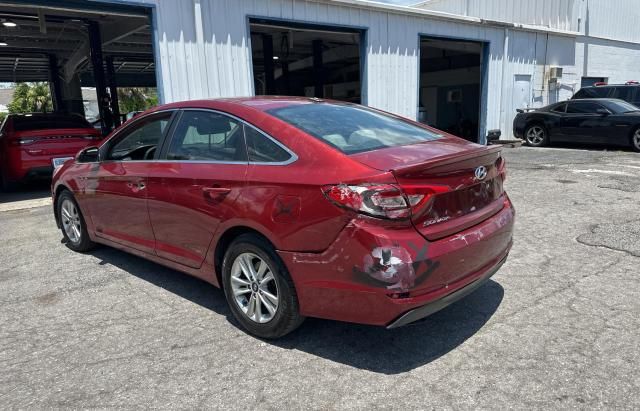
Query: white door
[(522, 91)]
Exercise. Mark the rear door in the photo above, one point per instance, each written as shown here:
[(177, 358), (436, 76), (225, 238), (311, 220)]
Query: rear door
[(193, 188), (116, 189)]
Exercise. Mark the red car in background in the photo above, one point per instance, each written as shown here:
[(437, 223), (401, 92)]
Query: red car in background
[(30, 144), (296, 207)]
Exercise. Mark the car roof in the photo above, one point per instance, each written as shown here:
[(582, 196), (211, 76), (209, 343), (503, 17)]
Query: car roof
[(260, 103), (613, 85)]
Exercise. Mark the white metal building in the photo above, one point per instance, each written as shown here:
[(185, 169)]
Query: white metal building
[(462, 65)]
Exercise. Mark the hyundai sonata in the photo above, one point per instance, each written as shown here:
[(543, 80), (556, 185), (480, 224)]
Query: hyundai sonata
[(296, 207)]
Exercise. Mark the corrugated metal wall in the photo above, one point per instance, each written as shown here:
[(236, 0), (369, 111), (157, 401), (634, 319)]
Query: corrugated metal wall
[(557, 14), (204, 48), (615, 20)]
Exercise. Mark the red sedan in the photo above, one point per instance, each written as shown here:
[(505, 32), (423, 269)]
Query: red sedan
[(32, 145), (296, 207)]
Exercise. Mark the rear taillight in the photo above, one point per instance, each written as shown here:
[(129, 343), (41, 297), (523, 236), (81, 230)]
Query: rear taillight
[(22, 141), (376, 200), (383, 200)]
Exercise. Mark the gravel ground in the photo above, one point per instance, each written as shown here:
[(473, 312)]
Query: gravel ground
[(557, 327)]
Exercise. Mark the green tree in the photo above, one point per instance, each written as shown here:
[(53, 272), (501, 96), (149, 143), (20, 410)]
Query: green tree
[(31, 98), (136, 98)]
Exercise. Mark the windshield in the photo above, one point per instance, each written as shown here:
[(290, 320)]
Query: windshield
[(26, 122), (621, 106), (352, 129)]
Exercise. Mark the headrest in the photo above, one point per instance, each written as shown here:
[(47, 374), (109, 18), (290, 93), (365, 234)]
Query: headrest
[(209, 124)]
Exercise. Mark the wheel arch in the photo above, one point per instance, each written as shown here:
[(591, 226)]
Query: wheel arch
[(225, 239)]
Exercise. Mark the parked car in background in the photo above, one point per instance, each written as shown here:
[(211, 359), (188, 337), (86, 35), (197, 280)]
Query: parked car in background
[(587, 121), (31, 145), (296, 207), (629, 92)]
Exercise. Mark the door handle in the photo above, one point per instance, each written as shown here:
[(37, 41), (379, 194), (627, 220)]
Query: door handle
[(136, 186)]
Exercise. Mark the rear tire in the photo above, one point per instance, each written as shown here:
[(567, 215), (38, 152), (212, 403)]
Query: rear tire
[(635, 140), (536, 135), (6, 185), (258, 288), (73, 225)]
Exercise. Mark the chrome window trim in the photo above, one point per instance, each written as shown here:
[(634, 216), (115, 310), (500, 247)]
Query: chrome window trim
[(293, 158)]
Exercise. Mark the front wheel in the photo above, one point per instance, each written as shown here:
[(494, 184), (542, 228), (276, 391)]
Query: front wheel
[(74, 228), (258, 288), (635, 140), (536, 135)]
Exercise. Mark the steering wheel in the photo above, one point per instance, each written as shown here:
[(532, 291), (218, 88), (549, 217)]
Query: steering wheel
[(148, 155)]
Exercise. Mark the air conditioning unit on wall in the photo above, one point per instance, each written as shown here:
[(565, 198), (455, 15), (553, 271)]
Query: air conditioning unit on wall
[(555, 73)]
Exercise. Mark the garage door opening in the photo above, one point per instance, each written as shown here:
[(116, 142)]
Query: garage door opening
[(451, 86), (306, 60), (95, 59)]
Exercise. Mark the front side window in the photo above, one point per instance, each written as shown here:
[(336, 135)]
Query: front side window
[(262, 149), (352, 129), (204, 135), (140, 140), (583, 108)]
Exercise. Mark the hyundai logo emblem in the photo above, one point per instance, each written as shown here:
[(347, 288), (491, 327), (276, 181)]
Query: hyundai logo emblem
[(481, 173)]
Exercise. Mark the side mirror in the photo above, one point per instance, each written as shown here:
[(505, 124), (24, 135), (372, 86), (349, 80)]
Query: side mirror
[(88, 155), (603, 111)]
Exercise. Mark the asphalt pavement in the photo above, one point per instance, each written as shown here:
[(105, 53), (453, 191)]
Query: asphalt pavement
[(557, 327)]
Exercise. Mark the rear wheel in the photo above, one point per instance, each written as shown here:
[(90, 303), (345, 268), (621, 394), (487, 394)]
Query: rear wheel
[(6, 185), (536, 135), (74, 228), (635, 140), (258, 288)]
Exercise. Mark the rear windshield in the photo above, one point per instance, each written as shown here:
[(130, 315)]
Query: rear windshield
[(42, 122), (352, 129)]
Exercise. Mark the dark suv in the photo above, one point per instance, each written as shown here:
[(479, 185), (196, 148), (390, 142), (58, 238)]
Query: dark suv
[(627, 92)]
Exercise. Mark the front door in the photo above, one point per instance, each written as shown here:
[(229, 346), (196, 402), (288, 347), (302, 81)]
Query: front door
[(195, 187), (583, 123), (116, 190)]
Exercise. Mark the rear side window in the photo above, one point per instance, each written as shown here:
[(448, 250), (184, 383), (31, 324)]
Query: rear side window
[(204, 135), (352, 129), (28, 122), (622, 93), (262, 149), (582, 107), (593, 92)]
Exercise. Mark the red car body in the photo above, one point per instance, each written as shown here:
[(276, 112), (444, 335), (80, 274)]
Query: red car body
[(30, 142), (345, 265)]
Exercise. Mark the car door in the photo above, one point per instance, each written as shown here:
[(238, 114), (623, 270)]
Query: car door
[(585, 122), (116, 189), (194, 187)]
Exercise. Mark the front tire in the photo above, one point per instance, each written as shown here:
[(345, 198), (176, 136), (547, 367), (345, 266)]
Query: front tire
[(536, 135), (258, 288), (635, 140), (74, 227)]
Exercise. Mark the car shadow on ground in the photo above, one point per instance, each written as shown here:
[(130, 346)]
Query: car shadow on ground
[(587, 147), (27, 191), (365, 347)]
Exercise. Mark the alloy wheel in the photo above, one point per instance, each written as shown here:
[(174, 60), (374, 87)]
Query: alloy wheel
[(71, 221), (636, 139), (535, 135), (254, 287)]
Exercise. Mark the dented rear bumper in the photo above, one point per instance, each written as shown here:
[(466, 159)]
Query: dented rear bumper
[(389, 275)]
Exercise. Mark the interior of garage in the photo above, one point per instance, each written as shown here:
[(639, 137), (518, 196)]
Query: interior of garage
[(451, 85), (304, 60), (75, 47)]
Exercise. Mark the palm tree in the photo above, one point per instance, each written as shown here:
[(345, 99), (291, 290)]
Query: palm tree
[(30, 98)]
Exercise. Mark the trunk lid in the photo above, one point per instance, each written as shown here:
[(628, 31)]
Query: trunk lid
[(442, 175)]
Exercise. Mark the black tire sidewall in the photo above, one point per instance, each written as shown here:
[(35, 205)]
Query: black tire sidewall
[(85, 242), (633, 146), (287, 316)]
